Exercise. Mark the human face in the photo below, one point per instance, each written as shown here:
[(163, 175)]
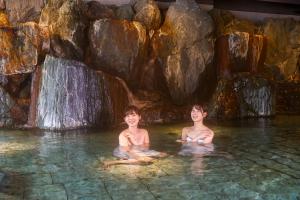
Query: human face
[(132, 120), (197, 115)]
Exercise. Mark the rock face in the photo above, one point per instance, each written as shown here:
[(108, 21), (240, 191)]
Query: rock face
[(21, 56), (185, 47), (24, 10), (227, 23), (148, 13), (10, 112), (240, 52), (283, 45), (124, 12), (6, 104), (71, 96), (122, 49), (67, 28), (94, 10), (243, 96)]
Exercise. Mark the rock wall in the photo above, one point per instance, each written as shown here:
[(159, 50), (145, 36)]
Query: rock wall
[(184, 48), (66, 64)]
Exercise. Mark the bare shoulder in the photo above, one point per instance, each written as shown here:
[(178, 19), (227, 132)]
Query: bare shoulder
[(209, 131), (186, 129), (123, 133), (143, 131)]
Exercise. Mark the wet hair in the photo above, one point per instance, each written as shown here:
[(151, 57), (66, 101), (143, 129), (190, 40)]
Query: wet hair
[(200, 107), (131, 110)]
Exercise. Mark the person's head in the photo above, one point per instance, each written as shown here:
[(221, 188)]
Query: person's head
[(132, 116), (198, 112)]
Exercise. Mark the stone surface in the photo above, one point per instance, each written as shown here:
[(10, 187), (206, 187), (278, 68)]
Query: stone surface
[(283, 45), (122, 49), (66, 27), (243, 96), (6, 104), (68, 165), (288, 98), (226, 23), (24, 10), (184, 46), (22, 56), (15, 84), (240, 52), (148, 13), (124, 12), (94, 10), (66, 95)]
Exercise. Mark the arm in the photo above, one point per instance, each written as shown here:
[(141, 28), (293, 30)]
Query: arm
[(146, 140), (124, 143), (183, 135)]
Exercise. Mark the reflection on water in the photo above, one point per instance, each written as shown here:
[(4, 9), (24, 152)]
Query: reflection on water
[(265, 164)]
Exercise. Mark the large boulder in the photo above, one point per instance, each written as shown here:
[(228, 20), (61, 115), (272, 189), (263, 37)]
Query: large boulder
[(118, 47), (243, 95), (66, 26), (227, 23), (184, 46), (21, 56), (148, 13), (67, 94), (240, 52), (283, 45), (24, 10), (94, 10), (124, 12)]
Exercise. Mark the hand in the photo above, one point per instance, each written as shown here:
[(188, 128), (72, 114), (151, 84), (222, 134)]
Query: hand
[(180, 140)]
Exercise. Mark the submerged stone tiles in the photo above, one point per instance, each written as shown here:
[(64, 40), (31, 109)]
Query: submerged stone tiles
[(263, 165)]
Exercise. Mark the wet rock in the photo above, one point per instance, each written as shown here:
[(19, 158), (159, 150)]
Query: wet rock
[(240, 52), (283, 48), (124, 12), (67, 94), (226, 23), (66, 27), (288, 98), (224, 102), (16, 84), (20, 47), (6, 103), (148, 13), (152, 78), (184, 46), (94, 10), (10, 112), (122, 49), (243, 96), (24, 10)]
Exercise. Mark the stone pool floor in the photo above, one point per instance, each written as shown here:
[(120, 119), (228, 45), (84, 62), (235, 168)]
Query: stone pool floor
[(38, 165)]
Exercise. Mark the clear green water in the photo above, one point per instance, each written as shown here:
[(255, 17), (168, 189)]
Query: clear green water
[(46, 165)]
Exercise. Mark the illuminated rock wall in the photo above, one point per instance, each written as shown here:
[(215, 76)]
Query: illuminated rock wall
[(85, 61)]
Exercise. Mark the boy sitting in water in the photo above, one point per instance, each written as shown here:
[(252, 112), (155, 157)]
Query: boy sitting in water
[(133, 142)]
